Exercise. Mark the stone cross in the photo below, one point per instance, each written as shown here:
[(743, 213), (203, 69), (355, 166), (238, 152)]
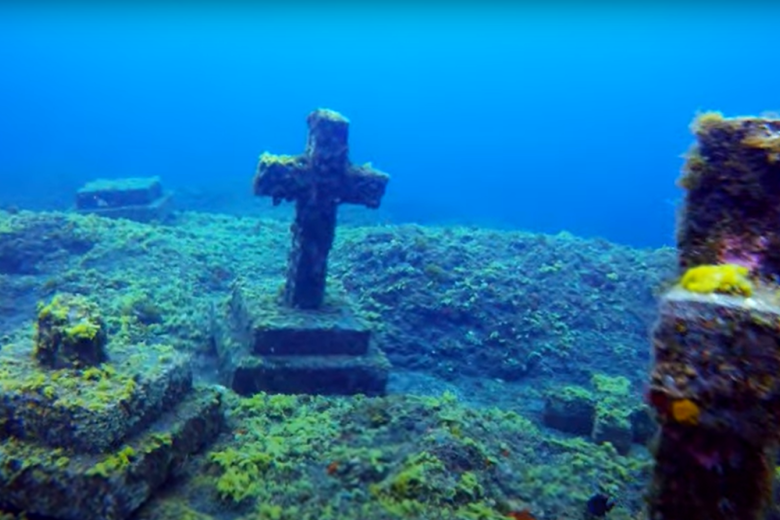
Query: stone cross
[(317, 181)]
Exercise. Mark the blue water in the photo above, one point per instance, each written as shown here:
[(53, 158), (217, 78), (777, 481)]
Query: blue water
[(548, 121)]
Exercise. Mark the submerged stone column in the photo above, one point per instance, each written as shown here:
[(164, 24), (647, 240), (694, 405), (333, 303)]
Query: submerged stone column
[(715, 380)]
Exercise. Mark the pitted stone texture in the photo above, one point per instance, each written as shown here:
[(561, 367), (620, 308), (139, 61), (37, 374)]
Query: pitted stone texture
[(715, 380), (70, 333), (571, 409), (70, 486), (720, 356), (93, 409), (613, 428), (722, 352), (731, 210)]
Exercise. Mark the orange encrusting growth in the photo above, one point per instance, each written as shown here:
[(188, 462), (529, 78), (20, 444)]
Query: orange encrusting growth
[(525, 514), (685, 411)]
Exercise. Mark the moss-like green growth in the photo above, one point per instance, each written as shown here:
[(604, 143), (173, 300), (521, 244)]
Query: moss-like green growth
[(142, 307), (70, 332), (414, 479), (285, 160), (242, 472), (614, 406), (705, 121), (113, 463)]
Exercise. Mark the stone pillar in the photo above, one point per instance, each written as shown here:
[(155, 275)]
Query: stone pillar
[(715, 380)]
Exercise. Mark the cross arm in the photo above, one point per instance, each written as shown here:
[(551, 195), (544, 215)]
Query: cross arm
[(364, 185), (279, 177)]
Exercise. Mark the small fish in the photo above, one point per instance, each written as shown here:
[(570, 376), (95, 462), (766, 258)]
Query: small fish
[(599, 505)]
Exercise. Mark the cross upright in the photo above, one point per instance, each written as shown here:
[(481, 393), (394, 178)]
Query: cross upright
[(317, 181)]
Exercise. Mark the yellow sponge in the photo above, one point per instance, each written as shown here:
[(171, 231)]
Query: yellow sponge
[(725, 278)]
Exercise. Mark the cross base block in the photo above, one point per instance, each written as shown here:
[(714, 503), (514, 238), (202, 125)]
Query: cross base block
[(322, 375), (272, 348)]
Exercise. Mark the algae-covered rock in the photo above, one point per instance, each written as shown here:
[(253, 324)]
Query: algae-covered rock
[(70, 333), (572, 410), (612, 426), (614, 404)]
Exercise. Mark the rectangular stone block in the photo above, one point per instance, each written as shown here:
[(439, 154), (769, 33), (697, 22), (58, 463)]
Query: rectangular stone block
[(156, 211), (92, 409), (70, 486), (269, 328), (571, 409), (139, 199), (715, 388), (114, 193), (701, 345), (322, 375)]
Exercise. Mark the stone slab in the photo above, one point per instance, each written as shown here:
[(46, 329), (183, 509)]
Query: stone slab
[(89, 409), (268, 328), (69, 486), (322, 375), (156, 211), (115, 193)]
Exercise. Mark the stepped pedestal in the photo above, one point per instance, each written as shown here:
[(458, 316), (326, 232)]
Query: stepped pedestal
[(272, 348), (303, 342), (94, 442)]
